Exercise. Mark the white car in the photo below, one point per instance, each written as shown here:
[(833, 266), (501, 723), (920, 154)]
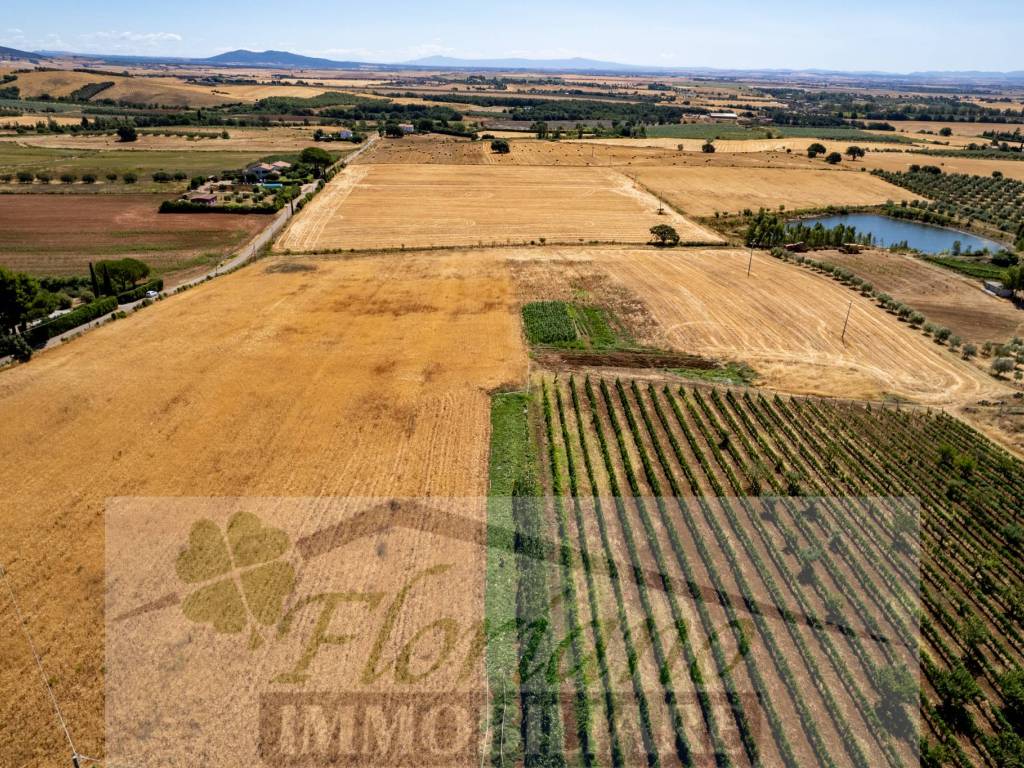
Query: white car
[(151, 294)]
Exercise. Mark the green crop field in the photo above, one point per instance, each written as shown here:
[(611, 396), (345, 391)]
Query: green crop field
[(745, 578), (562, 324), (15, 157)]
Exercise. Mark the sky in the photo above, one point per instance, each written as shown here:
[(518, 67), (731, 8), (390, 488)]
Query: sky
[(882, 35)]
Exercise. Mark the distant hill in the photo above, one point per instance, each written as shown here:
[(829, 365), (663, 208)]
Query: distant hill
[(14, 53), (288, 60), (282, 59), (571, 65)]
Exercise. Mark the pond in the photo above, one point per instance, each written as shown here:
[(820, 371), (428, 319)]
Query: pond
[(926, 238)]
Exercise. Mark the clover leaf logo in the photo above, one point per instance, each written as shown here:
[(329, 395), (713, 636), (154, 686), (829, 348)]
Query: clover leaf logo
[(240, 576)]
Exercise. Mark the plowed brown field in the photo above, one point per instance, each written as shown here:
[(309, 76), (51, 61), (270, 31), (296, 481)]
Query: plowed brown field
[(392, 206), (365, 377), (61, 234), (943, 296)]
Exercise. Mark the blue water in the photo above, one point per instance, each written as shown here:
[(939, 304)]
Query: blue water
[(923, 237)]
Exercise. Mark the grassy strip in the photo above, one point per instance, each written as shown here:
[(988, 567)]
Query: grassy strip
[(510, 456), (517, 593), (730, 373), (975, 269)]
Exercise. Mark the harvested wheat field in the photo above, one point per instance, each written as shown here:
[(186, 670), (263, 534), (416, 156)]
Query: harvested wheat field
[(61, 234), (526, 151), (784, 321), (944, 297), (730, 146), (255, 141), (969, 130), (171, 91), (705, 191), (422, 206), (901, 161), (302, 378)]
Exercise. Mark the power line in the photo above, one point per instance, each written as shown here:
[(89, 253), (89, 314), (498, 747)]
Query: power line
[(39, 665)]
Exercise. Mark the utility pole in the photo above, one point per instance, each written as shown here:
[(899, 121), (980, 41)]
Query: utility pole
[(847, 321), (750, 263)]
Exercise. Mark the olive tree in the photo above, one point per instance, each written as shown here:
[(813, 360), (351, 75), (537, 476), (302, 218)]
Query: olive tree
[(663, 234)]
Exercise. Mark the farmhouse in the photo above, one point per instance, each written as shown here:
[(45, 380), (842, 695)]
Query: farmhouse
[(344, 134), (260, 170), (203, 199), (407, 127), (723, 116)]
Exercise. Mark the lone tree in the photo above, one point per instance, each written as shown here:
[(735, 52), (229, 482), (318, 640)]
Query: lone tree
[(854, 152), (316, 157), (834, 158), (664, 235), (127, 133), (500, 146), (816, 149), (708, 146)]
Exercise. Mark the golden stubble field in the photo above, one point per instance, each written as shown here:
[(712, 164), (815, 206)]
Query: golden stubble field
[(365, 378), (148, 89), (784, 321), (703, 191), (255, 140), (901, 161), (375, 206)]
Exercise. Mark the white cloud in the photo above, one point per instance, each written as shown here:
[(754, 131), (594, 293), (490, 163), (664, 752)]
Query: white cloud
[(127, 42), (132, 37)]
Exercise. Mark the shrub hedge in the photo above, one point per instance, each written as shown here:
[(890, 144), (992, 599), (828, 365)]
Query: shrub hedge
[(40, 334)]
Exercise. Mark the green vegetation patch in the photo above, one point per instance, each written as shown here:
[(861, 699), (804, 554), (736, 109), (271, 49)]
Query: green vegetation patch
[(563, 324), (517, 616), (977, 269), (727, 373)]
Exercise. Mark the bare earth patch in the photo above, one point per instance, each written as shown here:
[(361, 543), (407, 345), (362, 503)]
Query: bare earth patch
[(945, 298)]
